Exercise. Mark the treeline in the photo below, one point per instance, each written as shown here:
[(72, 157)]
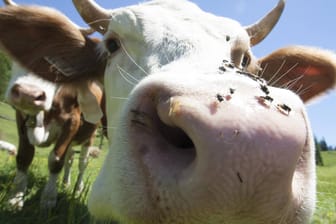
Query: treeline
[(5, 67), (321, 145)]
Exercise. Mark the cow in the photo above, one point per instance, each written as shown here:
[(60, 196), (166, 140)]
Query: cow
[(9, 147), (198, 133), (48, 114)]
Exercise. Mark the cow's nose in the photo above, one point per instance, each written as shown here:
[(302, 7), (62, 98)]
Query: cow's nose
[(27, 94), (186, 133), (27, 97)]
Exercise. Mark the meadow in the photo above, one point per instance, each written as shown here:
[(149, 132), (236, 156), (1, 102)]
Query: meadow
[(71, 209)]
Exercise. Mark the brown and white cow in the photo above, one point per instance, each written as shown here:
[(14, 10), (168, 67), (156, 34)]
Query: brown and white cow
[(199, 137), (48, 114)]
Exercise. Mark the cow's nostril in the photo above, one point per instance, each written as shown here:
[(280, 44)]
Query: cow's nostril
[(179, 148), (170, 144), (40, 97), (176, 137)]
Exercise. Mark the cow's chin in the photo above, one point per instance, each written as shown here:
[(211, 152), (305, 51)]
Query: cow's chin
[(186, 155)]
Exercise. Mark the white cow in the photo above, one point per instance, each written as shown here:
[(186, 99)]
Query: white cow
[(201, 138)]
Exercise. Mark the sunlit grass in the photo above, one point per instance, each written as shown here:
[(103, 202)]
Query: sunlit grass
[(326, 188)]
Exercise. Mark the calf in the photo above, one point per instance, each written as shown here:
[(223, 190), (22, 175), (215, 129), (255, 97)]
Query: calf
[(48, 114), (201, 136)]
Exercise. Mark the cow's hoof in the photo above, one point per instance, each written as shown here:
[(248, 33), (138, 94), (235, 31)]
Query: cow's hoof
[(16, 201), (66, 184), (94, 152), (48, 198), (79, 188), (48, 203)]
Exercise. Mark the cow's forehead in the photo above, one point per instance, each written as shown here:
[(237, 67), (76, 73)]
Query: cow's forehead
[(180, 20)]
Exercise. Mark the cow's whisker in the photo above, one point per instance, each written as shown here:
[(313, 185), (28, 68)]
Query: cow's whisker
[(111, 127), (132, 59), (118, 97), (277, 72), (283, 75), (291, 84), (303, 91), (128, 74), (262, 71), (125, 77)]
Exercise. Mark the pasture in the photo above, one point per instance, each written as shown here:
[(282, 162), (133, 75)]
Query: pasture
[(71, 209)]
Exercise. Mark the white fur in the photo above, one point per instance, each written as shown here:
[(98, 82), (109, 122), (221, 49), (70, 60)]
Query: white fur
[(68, 161), (82, 164), (9, 147), (141, 25), (38, 135)]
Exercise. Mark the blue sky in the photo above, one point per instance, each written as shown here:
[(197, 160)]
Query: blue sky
[(304, 22)]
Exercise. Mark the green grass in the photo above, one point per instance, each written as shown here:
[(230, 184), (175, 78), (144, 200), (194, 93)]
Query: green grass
[(7, 124), (326, 190), (72, 210)]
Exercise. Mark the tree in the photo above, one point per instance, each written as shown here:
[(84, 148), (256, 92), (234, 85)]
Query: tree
[(318, 156), (323, 144), (5, 67)]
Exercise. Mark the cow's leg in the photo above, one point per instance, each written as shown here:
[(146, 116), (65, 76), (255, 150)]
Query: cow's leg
[(23, 160), (56, 162), (67, 167), (49, 194), (16, 198), (82, 164)]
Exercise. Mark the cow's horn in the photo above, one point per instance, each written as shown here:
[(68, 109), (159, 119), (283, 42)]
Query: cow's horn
[(259, 30), (95, 16), (9, 2)]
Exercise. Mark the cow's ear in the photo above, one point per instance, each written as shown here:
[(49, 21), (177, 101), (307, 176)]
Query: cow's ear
[(90, 99), (47, 43), (305, 70)]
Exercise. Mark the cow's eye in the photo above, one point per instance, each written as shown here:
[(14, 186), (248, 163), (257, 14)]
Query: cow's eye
[(112, 45), (246, 61)]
